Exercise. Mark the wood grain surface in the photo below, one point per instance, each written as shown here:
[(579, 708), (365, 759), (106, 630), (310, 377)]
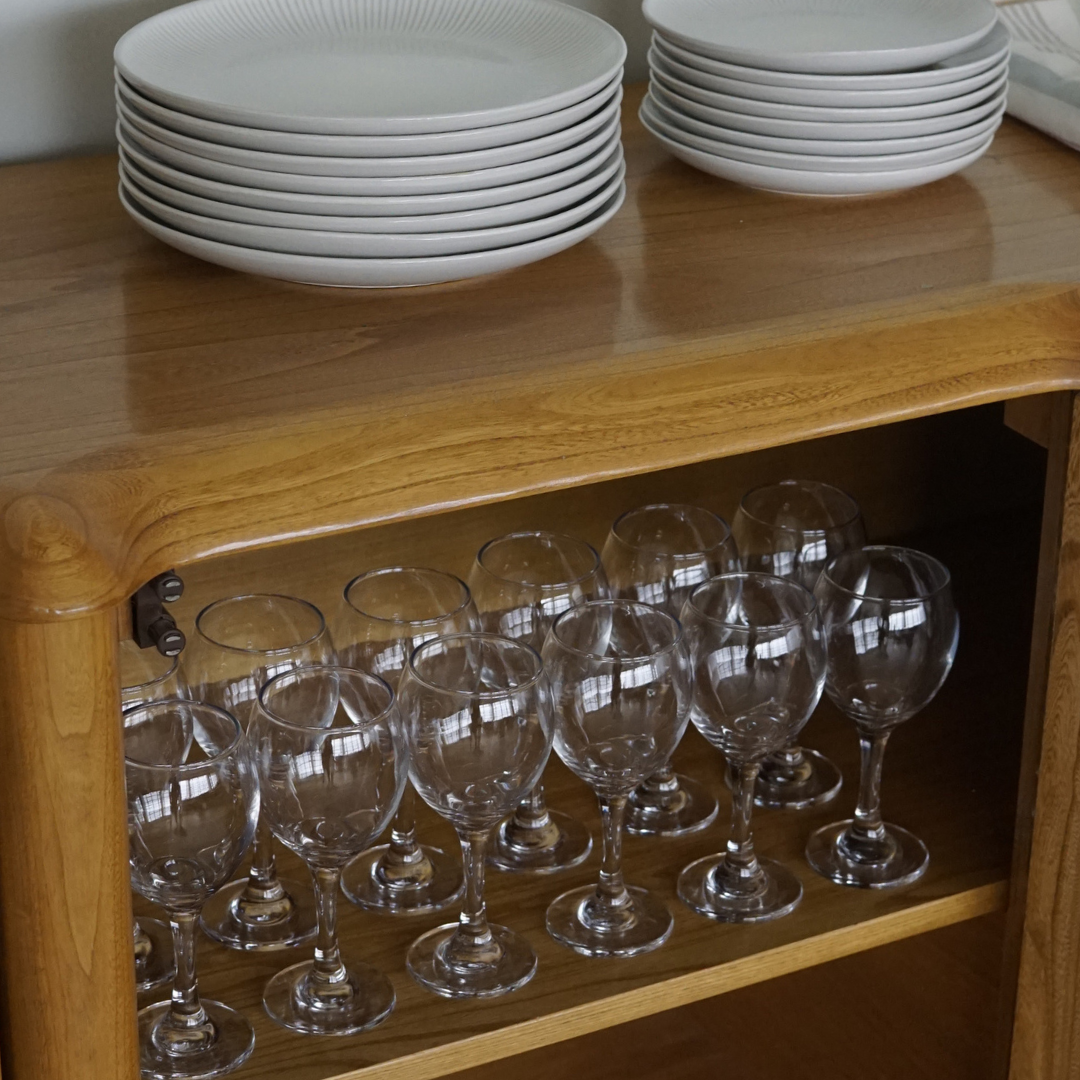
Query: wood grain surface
[(156, 409)]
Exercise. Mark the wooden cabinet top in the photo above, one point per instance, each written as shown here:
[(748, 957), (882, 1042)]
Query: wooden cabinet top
[(155, 409)]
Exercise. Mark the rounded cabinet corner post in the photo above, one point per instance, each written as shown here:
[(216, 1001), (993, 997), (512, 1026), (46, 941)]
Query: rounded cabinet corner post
[(67, 981)]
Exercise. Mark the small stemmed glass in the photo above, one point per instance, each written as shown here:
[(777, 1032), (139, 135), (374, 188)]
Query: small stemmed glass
[(331, 759), (384, 615), (620, 679), (758, 654), (892, 631), (145, 676), (792, 529), (477, 713), (521, 582), (192, 803), (657, 554), (239, 644)]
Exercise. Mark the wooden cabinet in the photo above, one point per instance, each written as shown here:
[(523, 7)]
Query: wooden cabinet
[(156, 411)]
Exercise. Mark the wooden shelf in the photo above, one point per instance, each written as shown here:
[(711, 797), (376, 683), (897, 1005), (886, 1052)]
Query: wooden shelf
[(950, 776)]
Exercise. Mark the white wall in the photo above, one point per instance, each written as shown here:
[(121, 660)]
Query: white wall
[(56, 68)]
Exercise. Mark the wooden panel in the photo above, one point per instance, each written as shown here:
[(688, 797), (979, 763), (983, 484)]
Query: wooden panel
[(1031, 417), (67, 984), (1046, 1037), (157, 410)]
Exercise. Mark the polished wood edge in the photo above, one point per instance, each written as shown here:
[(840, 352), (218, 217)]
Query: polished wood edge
[(76, 541), (671, 993)]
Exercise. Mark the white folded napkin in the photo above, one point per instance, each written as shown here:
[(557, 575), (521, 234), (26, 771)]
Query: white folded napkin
[(1044, 69)]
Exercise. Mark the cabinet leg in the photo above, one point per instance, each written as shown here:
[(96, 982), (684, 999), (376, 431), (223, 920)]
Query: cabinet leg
[(67, 981)]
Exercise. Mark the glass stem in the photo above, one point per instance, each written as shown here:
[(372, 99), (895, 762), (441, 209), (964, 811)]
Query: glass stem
[(740, 863), (867, 826), (328, 970), (532, 811), (186, 1011), (472, 944), (263, 885), (403, 846), (611, 889)]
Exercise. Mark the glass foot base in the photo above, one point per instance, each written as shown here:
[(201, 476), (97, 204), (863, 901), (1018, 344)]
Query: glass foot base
[(687, 809), (902, 858), (779, 893), (370, 1002), (646, 926), (814, 782), (515, 966), (440, 883), (561, 845), (229, 1047), (154, 967), (283, 925)]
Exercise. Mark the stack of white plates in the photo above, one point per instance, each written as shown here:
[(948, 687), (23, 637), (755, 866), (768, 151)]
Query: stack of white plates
[(370, 142), (826, 97)]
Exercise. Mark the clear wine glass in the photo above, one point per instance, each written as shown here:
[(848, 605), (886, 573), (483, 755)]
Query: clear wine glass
[(477, 713), (239, 644), (192, 805), (657, 554), (146, 675), (521, 582), (892, 629), (758, 656), (332, 763), (384, 615), (792, 529), (620, 680)]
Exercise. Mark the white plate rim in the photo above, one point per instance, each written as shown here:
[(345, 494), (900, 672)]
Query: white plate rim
[(402, 272)]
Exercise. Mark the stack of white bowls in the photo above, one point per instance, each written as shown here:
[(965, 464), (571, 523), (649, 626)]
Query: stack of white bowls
[(826, 97), (370, 142)]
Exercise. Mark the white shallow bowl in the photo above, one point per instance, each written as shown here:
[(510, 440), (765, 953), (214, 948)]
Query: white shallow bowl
[(824, 114), (282, 170), (808, 182), (234, 201), (987, 53), (279, 142), (373, 273), (436, 193), (369, 67), (838, 147), (806, 129), (939, 96), (824, 36), (484, 218), (813, 162)]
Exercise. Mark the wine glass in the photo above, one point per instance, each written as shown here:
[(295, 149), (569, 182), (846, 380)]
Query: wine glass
[(758, 656), (521, 582), (792, 529), (477, 713), (657, 554), (192, 804), (239, 644), (332, 763), (146, 675), (384, 615), (620, 680), (892, 630)]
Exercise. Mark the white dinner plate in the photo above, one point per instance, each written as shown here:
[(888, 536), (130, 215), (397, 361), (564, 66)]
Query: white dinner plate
[(370, 67), (943, 96), (420, 194), (445, 142), (373, 245), (987, 53), (821, 114), (824, 36), (838, 147), (456, 221), (808, 182), (373, 273), (806, 129), (284, 170), (376, 205), (783, 159)]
